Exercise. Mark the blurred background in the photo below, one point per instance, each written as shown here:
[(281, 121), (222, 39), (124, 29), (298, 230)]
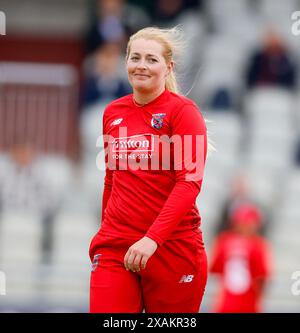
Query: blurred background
[(62, 61)]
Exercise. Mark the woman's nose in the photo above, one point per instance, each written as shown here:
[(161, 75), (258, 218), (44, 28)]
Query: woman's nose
[(141, 64)]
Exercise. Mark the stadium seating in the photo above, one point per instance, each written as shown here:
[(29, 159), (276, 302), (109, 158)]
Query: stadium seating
[(20, 239)]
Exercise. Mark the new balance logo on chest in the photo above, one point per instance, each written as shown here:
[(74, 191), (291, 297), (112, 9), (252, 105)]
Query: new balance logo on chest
[(116, 122), (186, 279)]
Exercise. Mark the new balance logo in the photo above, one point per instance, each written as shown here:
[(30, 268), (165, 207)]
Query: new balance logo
[(116, 122), (186, 278), (95, 262)]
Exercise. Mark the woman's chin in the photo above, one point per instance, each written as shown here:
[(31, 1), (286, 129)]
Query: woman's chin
[(140, 87)]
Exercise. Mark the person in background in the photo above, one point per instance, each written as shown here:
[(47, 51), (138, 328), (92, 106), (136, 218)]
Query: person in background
[(272, 65), (114, 21), (241, 259), (25, 188), (104, 80), (239, 194)]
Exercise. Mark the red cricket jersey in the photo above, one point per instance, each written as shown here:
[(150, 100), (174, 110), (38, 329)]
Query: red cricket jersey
[(240, 261), (152, 179)]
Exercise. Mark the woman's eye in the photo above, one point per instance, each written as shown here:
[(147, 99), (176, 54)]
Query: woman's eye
[(152, 60), (134, 58)]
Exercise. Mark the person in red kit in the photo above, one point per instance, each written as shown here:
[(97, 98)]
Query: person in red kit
[(241, 257), (148, 254)]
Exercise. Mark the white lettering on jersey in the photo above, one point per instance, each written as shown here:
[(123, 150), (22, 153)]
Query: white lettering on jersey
[(237, 275), (137, 143)]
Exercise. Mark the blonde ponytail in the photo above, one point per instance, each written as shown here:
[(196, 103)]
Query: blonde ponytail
[(171, 83)]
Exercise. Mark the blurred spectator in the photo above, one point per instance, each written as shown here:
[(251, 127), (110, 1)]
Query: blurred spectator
[(146, 5), (167, 12), (104, 80), (20, 185), (238, 196), (272, 64), (114, 21), (221, 99), (26, 188), (241, 258)]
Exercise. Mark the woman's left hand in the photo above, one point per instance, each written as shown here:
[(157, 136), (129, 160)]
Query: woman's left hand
[(138, 254)]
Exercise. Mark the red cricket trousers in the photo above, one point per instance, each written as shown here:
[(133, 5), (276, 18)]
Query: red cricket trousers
[(173, 281)]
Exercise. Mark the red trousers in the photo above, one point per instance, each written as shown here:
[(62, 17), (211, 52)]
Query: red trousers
[(173, 281)]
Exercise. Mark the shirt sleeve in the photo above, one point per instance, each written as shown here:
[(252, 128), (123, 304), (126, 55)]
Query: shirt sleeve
[(188, 126), (108, 179), (107, 190)]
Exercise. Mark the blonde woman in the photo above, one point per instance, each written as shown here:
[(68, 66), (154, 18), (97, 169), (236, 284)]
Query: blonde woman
[(148, 254)]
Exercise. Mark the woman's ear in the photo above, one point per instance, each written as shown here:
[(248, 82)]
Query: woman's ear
[(170, 67)]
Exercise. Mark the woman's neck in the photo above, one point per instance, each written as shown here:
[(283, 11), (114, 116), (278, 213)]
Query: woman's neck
[(145, 98)]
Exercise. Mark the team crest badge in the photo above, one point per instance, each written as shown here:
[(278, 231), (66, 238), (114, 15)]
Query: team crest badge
[(157, 120), (95, 262)]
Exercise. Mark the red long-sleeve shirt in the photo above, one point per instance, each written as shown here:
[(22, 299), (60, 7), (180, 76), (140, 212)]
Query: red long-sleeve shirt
[(157, 202), (243, 263)]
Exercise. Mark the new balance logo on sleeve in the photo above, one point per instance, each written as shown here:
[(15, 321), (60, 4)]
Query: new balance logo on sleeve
[(186, 278)]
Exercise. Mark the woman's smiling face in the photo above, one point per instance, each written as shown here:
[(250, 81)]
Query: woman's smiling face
[(146, 66)]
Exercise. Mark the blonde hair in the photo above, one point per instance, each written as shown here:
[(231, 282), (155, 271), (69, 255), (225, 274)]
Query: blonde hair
[(171, 40), (173, 44)]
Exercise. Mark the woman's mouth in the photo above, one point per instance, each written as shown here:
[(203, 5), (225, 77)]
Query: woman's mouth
[(141, 76)]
